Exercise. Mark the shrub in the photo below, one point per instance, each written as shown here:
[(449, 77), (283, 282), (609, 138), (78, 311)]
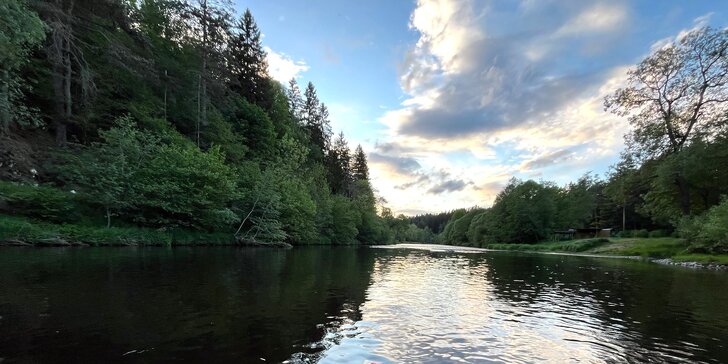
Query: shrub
[(42, 202), (624, 234), (658, 234), (642, 233), (714, 230)]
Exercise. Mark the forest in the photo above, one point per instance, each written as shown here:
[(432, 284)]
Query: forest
[(157, 122)]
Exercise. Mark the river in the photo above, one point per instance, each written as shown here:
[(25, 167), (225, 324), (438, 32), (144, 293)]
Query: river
[(353, 305)]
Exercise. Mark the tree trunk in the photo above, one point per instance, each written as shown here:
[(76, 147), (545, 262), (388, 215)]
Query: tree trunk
[(684, 190), (108, 218), (203, 73), (4, 101)]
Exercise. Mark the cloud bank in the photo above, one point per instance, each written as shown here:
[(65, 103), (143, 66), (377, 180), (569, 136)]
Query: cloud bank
[(495, 90)]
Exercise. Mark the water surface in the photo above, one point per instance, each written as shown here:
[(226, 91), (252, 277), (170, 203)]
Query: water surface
[(334, 305)]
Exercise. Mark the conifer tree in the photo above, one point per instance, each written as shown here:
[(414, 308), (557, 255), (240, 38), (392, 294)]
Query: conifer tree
[(339, 166), (316, 121), (359, 168), (295, 100), (247, 62)]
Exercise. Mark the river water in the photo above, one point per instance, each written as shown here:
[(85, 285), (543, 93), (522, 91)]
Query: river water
[(353, 305)]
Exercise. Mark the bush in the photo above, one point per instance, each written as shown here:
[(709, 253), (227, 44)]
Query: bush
[(21, 228), (714, 230), (624, 234), (658, 234), (42, 202), (642, 233)]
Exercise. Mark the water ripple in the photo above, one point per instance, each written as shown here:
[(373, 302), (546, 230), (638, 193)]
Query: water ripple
[(436, 307)]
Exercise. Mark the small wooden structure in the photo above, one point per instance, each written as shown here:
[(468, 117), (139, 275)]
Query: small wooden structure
[(584, 233)]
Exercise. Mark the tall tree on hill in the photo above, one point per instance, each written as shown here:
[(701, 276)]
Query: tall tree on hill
[(211, 26), (339, 166), (247, 62), (359, 168), (68, 63), (295, 100), (316, 121)]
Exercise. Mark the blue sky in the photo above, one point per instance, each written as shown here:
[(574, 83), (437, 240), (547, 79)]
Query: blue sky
[(451, 98)]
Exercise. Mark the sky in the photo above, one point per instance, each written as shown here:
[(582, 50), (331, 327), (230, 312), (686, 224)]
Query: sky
[(452, 98)]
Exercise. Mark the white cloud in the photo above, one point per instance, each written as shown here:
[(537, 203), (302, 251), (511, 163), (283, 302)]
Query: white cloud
[(602, 17), (487, 103), (282, 67)]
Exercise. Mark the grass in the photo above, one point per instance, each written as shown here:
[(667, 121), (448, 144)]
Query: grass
[(664, 247), (702, 258), (24, 229), (645, 247), (563, 246)]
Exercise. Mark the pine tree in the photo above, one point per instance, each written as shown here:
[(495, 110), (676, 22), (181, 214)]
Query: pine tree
[(247, 62), (359, 167), (339, 167), (316, 121), (295, 100)]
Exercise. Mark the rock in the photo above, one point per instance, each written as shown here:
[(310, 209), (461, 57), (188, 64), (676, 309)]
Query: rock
[(13, 242)]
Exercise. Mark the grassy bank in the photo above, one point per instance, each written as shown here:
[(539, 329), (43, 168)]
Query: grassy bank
[(673, 248), (24, 230)]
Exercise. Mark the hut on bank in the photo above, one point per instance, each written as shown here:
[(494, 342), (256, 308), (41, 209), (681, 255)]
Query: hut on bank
[(583, 233)]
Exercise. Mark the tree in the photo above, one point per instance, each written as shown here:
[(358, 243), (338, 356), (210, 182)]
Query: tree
[(523, 212), (108, 172), (316, 121), (359, 168), (295, 101), (20, 31), (212, 27), (675, 96), (69, 67), (339, 167), (247, 62), (344, 215), (677, 93)]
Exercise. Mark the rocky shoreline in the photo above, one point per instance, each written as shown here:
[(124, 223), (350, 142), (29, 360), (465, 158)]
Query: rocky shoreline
[(692, 265)]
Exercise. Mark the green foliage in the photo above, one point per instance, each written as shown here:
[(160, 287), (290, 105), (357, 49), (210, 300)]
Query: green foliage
[(344, 220), (522, 213), (108, 172), (41, 202), (708, 233), (650, 247), (183, 186), (658, 234), (33, 231), (456, 232), (573, 246), (20, 31), (176, 124), (642, 233)]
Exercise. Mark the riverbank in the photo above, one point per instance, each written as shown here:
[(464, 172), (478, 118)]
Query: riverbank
[(669, 251), (20, 231), (658, 249)]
